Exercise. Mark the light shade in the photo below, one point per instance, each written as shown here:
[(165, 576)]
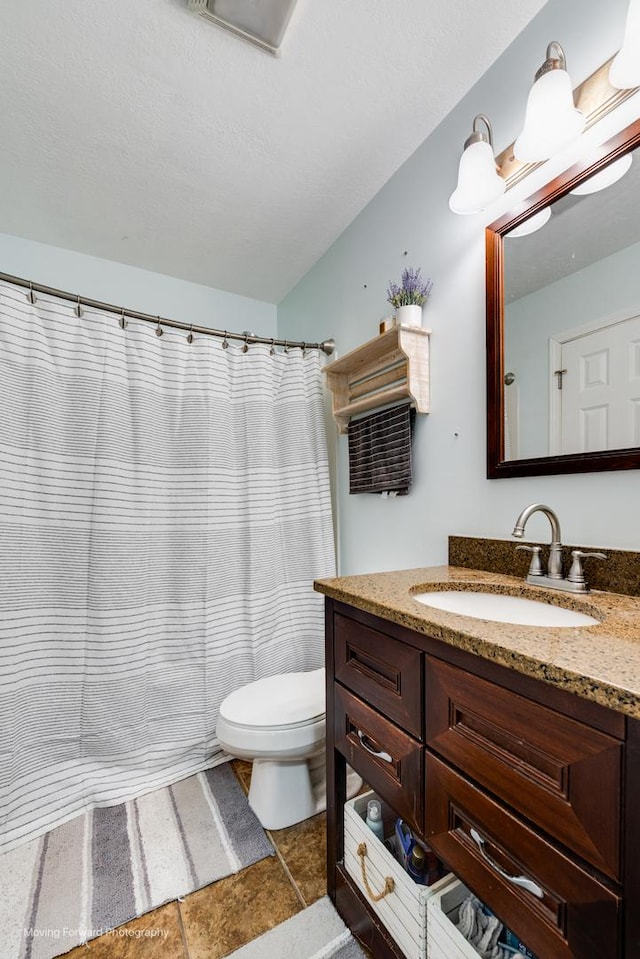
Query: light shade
[(262, 22), (624, 72), (551, 121), (535, 222), (607, 177), (479, 183)]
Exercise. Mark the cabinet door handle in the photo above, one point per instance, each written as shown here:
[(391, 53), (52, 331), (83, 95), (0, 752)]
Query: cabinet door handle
[(527, 884), (365, 742)]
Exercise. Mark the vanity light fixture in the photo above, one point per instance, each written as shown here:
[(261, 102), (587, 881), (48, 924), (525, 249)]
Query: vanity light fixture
[(610, 175), (479, 183), (624, 72), (551, 121)]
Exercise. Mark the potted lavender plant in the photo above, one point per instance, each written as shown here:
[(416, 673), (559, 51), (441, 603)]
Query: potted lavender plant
[(409, 298)]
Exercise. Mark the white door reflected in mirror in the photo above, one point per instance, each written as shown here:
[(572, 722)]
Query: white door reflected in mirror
[(595, 389)]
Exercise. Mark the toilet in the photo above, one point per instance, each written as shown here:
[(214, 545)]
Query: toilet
[(279, 723)]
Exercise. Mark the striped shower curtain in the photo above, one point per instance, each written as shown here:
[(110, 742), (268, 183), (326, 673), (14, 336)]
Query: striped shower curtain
[(164, 508)]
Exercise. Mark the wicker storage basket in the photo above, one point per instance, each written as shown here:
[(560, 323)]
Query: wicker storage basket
[(402, 910), (443, 939)]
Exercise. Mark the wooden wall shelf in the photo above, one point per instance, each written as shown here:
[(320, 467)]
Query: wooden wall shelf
[(392, 367)]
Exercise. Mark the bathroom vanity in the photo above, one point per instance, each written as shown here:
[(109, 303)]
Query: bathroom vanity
[(514, 751)]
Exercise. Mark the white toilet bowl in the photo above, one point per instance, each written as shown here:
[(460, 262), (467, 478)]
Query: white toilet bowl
[(279, 723)]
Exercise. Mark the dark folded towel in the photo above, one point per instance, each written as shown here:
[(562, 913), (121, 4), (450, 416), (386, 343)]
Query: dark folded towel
[(380, 451)]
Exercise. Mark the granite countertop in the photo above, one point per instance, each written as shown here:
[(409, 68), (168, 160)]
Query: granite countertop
[(600, 663)]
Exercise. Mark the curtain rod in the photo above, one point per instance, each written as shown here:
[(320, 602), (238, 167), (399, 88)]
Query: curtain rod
[(327, 346)]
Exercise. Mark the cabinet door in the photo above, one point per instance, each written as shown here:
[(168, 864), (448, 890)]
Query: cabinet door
[(553, 905), (387, 758), (381, 670), (557, 772)]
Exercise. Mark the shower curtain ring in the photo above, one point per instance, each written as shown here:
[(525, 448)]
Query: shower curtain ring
[(304, 348), (122, 322), (190, 334), (159, 330), (78, 309), (225, 342), (245, 348), (272, 349), (31, 295), (286, 347)]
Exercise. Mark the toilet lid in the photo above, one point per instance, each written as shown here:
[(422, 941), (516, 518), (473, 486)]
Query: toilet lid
[(277, 700)]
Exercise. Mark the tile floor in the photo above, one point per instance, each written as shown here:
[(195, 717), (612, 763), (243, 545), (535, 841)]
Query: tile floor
[(216, 920)]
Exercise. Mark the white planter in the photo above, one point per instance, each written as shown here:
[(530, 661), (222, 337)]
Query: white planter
[(409, 315)]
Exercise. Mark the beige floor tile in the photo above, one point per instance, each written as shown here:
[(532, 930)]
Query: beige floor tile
[(304, 849), (156, 935), (227, 914)]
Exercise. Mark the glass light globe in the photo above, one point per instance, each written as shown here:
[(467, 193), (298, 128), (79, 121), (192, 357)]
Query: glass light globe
[(534, 223), (624, 72), (607, 177), (479, 183), (551, 121)]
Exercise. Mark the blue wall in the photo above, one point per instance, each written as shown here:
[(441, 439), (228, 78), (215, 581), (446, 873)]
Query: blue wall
[(134, 288), (344, 296)]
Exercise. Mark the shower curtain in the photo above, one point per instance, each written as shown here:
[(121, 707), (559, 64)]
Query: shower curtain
[(164, 509)]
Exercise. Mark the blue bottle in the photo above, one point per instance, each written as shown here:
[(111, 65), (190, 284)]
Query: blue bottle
[(404, 841)]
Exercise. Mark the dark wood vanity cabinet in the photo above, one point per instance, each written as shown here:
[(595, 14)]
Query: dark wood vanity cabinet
[(503, 775), (389, 760), (561, 774)]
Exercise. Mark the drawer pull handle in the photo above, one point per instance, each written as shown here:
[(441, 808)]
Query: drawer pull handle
[(527, 884), (389, 883), (370, 746)]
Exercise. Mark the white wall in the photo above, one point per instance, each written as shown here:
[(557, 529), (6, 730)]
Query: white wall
[(134, 288), (344, 296)]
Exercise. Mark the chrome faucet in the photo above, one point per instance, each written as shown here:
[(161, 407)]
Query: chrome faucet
[(554, 566), (575, 581)]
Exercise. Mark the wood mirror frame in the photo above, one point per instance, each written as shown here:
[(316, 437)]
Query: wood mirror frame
[(497, 465)]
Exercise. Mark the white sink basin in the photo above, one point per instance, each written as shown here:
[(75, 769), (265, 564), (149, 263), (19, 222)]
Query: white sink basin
[(501, 608)]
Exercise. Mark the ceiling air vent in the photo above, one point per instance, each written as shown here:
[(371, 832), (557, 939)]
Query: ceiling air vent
[(262, 22)]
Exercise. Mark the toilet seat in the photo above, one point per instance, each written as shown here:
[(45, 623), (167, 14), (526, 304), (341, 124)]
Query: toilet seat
[(252, 727), (286, 701), (284, 743)]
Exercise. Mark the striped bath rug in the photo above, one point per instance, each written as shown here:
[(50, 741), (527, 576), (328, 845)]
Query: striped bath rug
[(112, 864), (317, 932)]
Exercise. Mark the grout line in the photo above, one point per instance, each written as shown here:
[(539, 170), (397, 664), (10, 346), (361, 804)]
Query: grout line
[(287, 871), (183, 932), (279, 855)]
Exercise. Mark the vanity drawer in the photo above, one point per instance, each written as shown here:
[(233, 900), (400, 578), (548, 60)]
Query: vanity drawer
[(381, 670), (572, 916), (387, 758), (557, 772)]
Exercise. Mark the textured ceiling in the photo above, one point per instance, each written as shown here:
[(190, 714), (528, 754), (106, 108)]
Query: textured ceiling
[(136, 131)]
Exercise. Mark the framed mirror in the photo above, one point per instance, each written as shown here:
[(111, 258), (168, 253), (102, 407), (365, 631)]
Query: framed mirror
[(563, 322)]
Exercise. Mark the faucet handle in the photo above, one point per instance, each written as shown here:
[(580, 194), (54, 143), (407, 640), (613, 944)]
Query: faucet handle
[(535, 568), (576, 573)]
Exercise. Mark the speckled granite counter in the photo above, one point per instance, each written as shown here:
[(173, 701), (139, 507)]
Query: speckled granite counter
[(600, 663)]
